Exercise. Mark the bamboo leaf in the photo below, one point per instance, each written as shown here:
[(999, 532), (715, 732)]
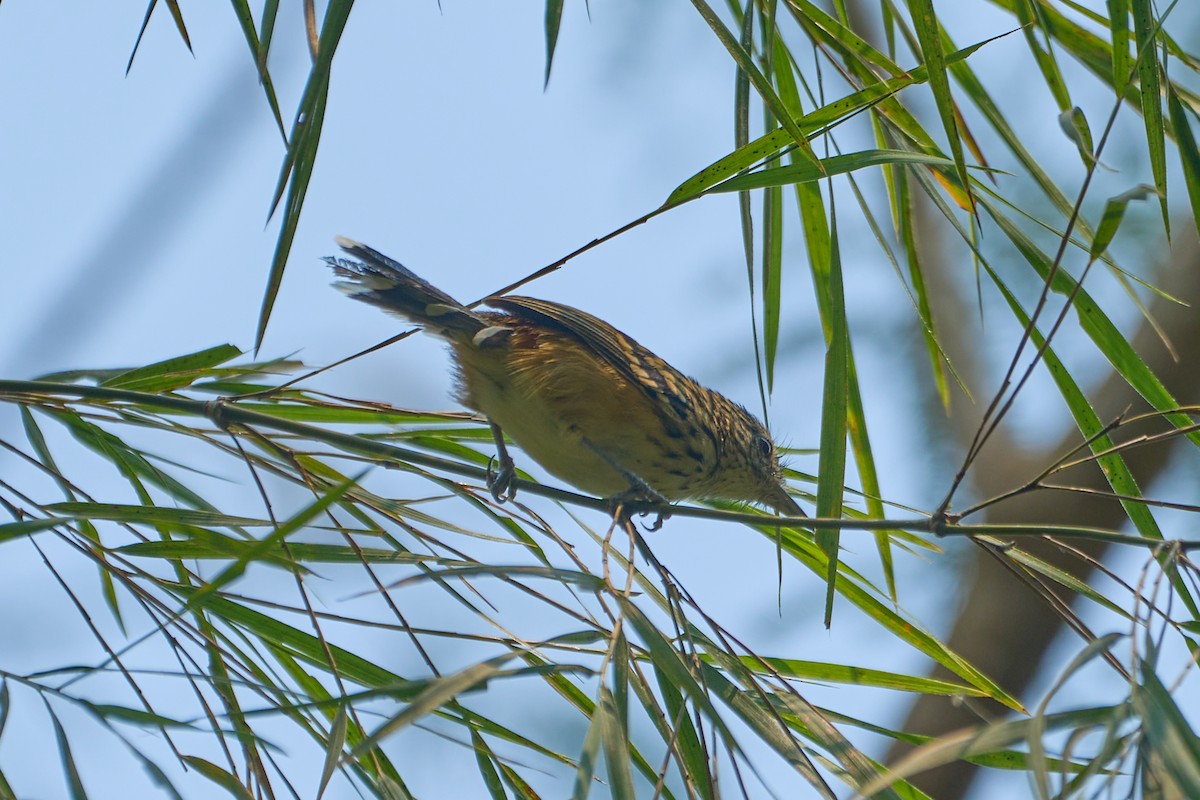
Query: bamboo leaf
[(220, 777), (70, 769), (763, 86), (1118, 21), (832, 475), (280, 534), (1189, 154), (616, 746), (833, 165), (1166, 728), (1075, 125), (302, 152), (1114, 212), (826, 672), (771, 143), (554, 10), (151, 515), (436, 694), (929, 35), (333, 748), (173, 373), (1145, 28)]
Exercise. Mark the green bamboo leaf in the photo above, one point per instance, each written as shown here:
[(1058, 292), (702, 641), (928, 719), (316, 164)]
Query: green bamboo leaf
[(176, 15), (1118, 24), (131, 463), (850, 587), (279, 535), (696, 764), (858, 676), (265, 35), (345, 415), (157, 776), (5, 704), (1064, 578), (768, 727), (741, 136), (974, 88), (1114, 212), (621, 660), (223, 683), (1097, 325), (321, 699), (1189, 154), (573, 695), (173, 373), (589, 758), (667, 660), (206, 545), (615, 742), (978, 740), (771, 143), (833, 165), (487, 761), (392, 789), (219, 776), (858, 53), (584, 579), (772, 277), (1111, 462), (70, 770), (436, 694), (554, 10), (1166, 728), (33, 433), (831, 477), (1075, 125), (16, 530), (1145, 28), (259, 50), (333, 748), (1032, 21), (864, 461), (302, 152), (517, 784), (1012, 760), (930, 37), (745, 62), (301, 644), (137, 716), (151, 515)]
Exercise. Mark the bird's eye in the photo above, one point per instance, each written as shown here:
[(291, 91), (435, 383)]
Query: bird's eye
[(766, 447)]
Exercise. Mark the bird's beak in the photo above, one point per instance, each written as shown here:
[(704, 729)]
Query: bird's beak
[(784, 505)]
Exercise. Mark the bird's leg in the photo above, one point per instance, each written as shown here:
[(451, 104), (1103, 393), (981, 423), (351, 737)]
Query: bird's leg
[(638, 492), (500, 481)]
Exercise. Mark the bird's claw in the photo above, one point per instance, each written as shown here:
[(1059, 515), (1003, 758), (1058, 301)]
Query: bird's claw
[(500, 481), (619, 505)]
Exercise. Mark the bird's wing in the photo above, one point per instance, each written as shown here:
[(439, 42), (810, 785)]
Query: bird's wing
[(646, 370)]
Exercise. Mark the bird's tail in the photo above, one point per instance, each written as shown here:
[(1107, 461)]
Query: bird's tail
[(376, 279)]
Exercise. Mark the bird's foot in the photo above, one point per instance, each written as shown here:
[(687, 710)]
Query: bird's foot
[(500, 480), (622, 506)]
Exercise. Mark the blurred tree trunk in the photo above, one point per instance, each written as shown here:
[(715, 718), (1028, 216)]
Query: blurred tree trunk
[(1003, 626)]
